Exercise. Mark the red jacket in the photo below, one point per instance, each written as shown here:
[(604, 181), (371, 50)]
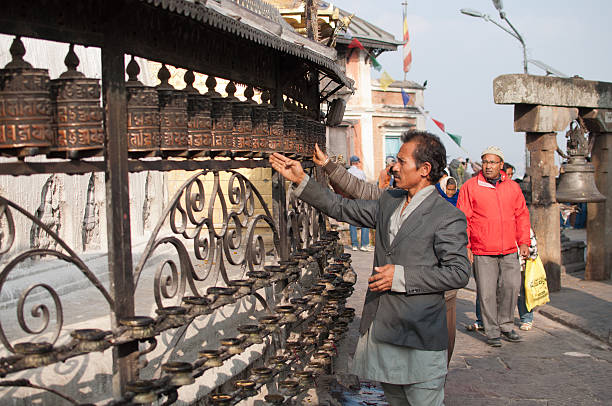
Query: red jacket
[(497, 216)]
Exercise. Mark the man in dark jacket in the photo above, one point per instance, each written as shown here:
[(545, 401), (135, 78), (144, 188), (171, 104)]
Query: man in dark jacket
[(420, 253), (349, 186)]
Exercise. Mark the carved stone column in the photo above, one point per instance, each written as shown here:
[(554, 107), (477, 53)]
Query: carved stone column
[(544, 104), (599, 215), (544, 210)]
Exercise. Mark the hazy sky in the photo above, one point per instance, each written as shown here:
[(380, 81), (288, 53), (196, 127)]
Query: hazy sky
[(460, 56)]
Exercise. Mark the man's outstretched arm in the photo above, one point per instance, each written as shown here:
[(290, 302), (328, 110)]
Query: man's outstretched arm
[(343, 182), (356, 212)]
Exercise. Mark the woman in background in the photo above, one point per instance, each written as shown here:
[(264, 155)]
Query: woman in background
[(447, 187)]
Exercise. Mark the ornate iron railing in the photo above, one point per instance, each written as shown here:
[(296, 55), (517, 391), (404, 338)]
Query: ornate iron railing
[(235, 242), (217, 247)]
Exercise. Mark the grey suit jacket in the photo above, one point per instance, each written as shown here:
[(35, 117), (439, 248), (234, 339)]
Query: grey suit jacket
[(431, 245)]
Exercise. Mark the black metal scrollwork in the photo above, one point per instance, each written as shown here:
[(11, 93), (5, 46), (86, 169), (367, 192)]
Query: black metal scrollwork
[(233, 242), (303, 222), (38, 311)]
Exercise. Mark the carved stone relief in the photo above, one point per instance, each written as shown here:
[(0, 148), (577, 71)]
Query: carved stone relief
[(91, 219), (49, 214)]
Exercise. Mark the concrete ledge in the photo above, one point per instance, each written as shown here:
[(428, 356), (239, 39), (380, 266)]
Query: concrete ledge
[(551, 91)]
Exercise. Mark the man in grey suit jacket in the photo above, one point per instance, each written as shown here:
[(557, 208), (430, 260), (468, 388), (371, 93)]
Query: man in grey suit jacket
[(421, 251)]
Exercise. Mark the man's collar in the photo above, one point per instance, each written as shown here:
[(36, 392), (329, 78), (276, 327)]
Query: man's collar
[(502, 176), (495, 181), (426, 191)]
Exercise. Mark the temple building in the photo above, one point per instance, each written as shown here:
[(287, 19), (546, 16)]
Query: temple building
[(375, 117)]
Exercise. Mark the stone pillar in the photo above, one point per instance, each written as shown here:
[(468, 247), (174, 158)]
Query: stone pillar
[(599, 220), (544, 209)]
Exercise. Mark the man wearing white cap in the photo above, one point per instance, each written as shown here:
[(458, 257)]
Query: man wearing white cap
[(498, 221)]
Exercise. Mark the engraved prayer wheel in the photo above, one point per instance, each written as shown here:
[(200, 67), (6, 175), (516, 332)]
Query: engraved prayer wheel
[(289, 133), (275, 125), (243, 129), (26, 112), (259, 118), (172, 116), (321, 135), (222, 127), (261, 130), (143, 115), (222, 121), (311, 137), (77, 113), (316, 130), (307, 138), (300, 136), (277, 131), (199, 122)]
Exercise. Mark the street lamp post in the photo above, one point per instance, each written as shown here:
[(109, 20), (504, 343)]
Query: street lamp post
[(502, 14), (475, 13)]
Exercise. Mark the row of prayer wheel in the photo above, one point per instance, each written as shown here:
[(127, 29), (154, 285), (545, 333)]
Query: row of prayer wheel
[(63, 117)]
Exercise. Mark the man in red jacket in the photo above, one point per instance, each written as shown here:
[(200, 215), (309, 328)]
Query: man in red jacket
[(498, 221)]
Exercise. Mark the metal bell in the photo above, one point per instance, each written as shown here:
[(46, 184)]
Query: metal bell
[(577, 182)]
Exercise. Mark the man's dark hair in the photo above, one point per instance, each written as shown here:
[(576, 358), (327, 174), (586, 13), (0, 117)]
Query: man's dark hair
[(507, 165), (430, 149)]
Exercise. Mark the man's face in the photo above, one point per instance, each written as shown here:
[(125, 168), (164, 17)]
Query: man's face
[(510, 172), (451, 190), (405, 171), (491, 166)]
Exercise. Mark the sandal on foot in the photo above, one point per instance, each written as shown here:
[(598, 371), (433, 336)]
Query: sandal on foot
[(526, 326), (474, 327)]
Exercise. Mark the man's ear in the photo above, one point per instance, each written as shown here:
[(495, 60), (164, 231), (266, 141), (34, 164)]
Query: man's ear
[(425, 169)]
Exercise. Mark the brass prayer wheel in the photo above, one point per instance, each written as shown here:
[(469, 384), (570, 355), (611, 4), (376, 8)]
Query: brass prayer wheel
[(261, 130), (243, 129), (259, 118), (299, 144), (289, 133), (311, 137), (275, 125), (222, 121), (199, 123), (143, 115), (172, 116), (320, 135), (77, 112), (26, 112)]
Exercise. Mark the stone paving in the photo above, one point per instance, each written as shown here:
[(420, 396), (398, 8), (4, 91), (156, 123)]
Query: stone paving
[(555, 364), (583, 305)]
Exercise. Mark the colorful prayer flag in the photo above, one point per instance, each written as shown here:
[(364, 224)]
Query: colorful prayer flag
[(405, 97), (385, 80), (407, 49), (375, 64), (439, 124), (455, 137), (356, 44)]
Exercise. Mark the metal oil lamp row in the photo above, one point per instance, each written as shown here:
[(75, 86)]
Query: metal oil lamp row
[(63, 117), (323, 307), (295, 367), (332, 286)]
